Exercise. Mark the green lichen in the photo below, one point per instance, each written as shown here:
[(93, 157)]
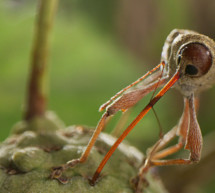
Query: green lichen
[(26, 159)]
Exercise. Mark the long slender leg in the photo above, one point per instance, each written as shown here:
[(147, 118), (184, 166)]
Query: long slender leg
[(163, 142), (121, 123), (170, 162), (122, 103), (57, 171), (155, 152), (139, 181), (131, 85), (168, 151), (132, 125), (193, 142), (129, 99), (193, 138), (180, 129)]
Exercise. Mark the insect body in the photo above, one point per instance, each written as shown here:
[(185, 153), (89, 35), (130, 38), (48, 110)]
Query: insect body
[(187, 63)]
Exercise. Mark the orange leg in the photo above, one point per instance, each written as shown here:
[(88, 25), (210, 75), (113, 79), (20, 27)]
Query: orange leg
[(171, 162), (131, 85), (193, 142), (168, 151), (180, 129), (57, 171), (121, 103), (121, 123), (155, 154), (133, 124), (163, 142), (183, 126)]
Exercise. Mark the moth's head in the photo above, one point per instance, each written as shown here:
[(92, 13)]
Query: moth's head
[(194, 55)]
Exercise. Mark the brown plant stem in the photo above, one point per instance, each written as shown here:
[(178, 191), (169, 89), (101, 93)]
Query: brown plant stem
[(37, 87)]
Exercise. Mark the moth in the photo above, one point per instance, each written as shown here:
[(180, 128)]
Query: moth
[(188, 65)]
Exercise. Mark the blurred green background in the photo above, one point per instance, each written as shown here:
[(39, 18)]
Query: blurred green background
[(97, 48)]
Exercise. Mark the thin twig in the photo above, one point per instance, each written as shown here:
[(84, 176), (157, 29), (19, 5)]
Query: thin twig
[(37, 88)]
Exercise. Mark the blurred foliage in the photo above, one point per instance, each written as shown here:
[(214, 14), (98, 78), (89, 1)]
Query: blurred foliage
[(101, 12), (89, 60), (98, 47), (81, 57)]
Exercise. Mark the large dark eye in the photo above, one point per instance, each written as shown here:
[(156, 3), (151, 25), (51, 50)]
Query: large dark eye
[(197, 59)]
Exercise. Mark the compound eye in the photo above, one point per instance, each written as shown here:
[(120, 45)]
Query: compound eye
[(197, 59)]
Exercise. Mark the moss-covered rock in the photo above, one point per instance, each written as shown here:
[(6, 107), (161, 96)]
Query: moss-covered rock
[(26, 159)]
